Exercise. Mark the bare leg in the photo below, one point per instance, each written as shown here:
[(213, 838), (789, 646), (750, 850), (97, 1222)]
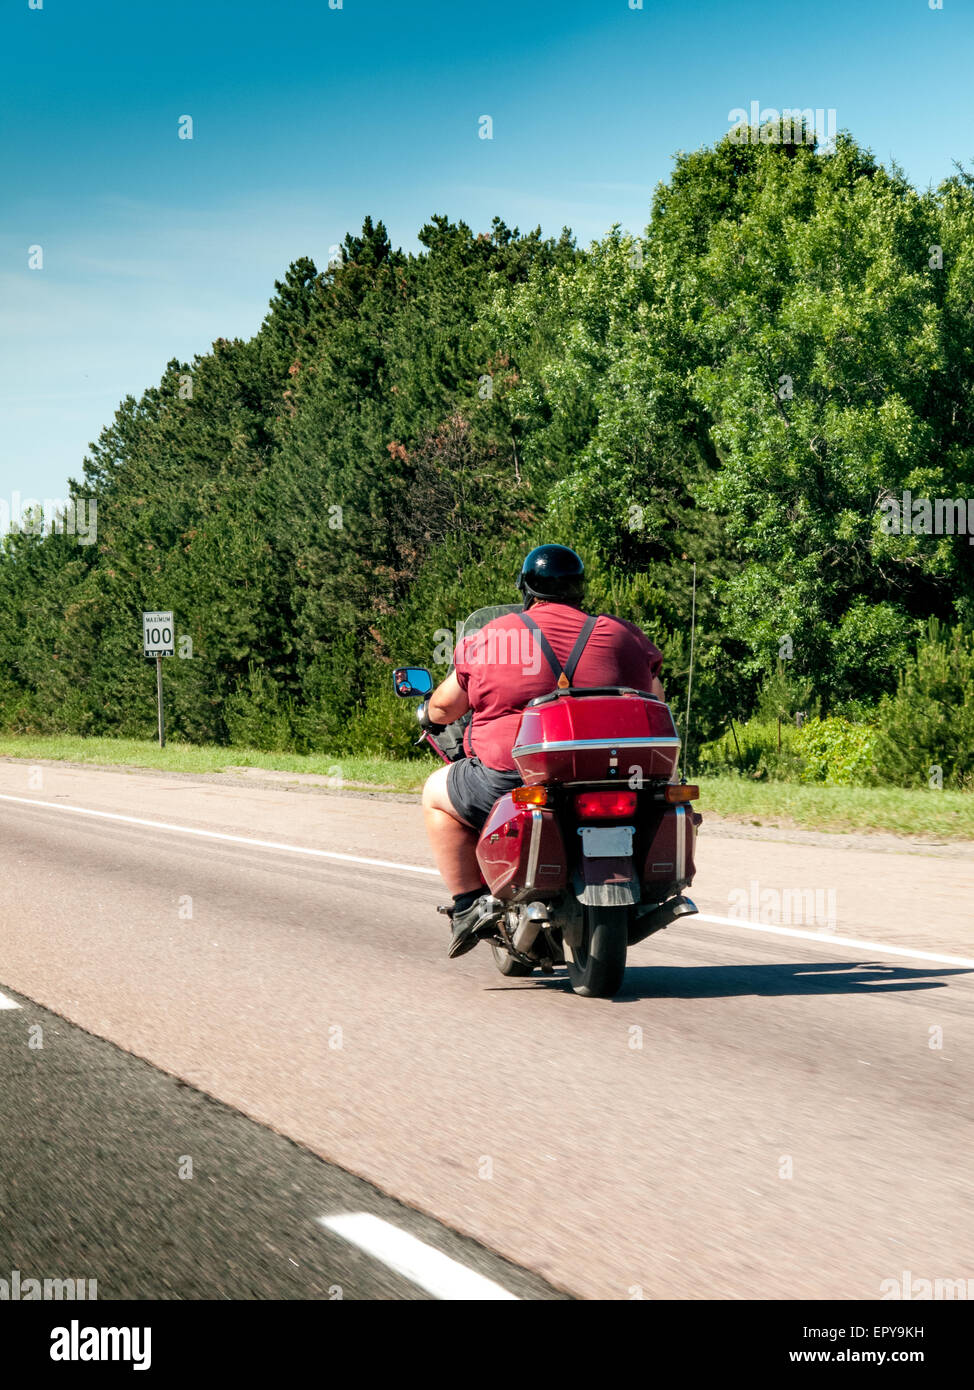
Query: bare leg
[(453, 841)]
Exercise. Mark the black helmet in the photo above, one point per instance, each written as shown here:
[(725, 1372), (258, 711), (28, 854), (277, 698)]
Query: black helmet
[(552, 572)]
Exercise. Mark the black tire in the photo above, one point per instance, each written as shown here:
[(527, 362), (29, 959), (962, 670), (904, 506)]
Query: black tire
[(506, 963), (597, 965)]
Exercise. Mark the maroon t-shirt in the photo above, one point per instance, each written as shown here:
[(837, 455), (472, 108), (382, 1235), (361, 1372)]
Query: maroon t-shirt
[(502, 667)]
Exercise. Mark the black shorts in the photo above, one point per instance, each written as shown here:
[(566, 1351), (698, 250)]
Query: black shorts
[(473, 788)]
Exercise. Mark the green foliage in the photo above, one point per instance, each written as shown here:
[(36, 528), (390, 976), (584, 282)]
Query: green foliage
[(383, 728), (774, 359), (741, 388), (257, 715), (752, 750), (784, 695), (929, 722), (830, 751), (287, 506), (835, 752), (870, 646)]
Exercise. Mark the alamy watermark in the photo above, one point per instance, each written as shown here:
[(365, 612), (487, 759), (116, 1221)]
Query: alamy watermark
[(792, 126), (71, 516), (77, 1343), (491, 646), (784, 907), (928, 516), (21, 1289), (909, 1288)]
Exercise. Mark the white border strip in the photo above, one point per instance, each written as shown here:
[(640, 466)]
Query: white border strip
[(828, 939), (825, 938), (219, 835), (6, 1003), (428, 1268)]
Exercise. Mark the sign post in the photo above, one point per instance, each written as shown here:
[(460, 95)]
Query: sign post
[(158, 640), (162, 716)]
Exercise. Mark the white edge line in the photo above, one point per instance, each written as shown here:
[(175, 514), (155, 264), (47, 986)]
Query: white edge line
[(6, 1003), (220, 835), (827, 939), (428, 1268)]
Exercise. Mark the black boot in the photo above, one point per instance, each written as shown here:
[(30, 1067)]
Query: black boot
[(484, 911)]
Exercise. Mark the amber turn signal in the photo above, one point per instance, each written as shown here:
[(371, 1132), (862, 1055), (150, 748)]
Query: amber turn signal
[(530, 796), (685, 793)]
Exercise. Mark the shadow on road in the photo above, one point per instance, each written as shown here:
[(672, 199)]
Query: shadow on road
[(728, 981)]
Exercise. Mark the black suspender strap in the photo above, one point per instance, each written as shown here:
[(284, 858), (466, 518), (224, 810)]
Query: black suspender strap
[(545, 646), (563, 677), (580, 645)]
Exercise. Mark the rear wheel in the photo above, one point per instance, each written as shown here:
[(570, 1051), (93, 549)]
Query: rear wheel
[(506, 963), (598, 963)]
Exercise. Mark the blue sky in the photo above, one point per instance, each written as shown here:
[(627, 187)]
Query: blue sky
[(307, 118)]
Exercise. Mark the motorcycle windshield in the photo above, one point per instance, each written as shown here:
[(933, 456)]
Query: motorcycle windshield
[(485, 615)]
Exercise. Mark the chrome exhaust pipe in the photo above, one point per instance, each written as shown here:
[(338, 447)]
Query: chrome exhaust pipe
[(653, 917), (533, 918)]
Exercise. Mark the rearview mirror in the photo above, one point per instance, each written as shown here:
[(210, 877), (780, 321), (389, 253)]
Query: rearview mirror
[(412, 681)]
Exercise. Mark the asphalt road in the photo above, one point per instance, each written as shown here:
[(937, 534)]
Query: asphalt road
[(755, 1116), (113, 1171)]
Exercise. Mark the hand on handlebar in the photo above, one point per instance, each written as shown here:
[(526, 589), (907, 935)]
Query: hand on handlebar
[(425, 722)]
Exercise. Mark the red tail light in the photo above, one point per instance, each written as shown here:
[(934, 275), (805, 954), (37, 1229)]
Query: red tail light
[(605, 805)]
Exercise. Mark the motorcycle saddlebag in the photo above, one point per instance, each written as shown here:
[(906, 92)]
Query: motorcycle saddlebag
[(668, 865), (596, 738), (521, 852)]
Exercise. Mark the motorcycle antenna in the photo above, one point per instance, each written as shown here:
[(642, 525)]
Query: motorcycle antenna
[(693, 629)]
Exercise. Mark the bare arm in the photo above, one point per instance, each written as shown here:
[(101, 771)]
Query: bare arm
[(656, 688), (448, 701)]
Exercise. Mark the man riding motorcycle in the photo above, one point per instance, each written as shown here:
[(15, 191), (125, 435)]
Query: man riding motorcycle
[(497, 671)]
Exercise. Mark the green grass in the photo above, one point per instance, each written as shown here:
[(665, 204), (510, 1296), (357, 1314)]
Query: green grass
[(931, 815), (187, 757)]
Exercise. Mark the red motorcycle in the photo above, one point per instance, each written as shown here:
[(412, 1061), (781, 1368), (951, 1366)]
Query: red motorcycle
[(592, 854)]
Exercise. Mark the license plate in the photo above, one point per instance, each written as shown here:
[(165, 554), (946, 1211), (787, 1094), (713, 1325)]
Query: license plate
[(607, 841)]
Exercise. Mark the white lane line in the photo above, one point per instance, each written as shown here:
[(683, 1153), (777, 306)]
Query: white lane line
[(421, 1264), (874, 947), (829, 939), (6, 1003), (219, 835)]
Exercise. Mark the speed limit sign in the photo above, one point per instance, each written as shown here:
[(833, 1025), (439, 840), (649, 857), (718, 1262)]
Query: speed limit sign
[(159, 640), (158, 637)]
